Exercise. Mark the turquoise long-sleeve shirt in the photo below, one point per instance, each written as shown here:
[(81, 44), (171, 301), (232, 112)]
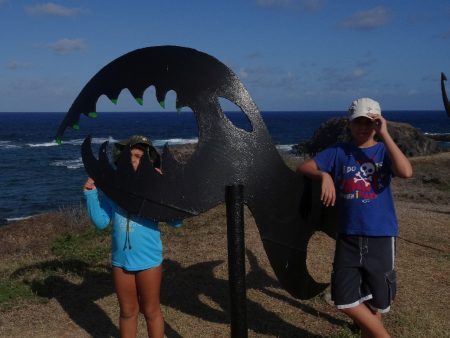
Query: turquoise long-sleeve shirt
[(136, 241)]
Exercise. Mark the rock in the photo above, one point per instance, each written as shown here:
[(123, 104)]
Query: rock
[(182, 152), (440, 137), (409, 139)]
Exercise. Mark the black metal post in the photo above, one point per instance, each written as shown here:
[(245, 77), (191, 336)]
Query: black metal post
[(236, 260)]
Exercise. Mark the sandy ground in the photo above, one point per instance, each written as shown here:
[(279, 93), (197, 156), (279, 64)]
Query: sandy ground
[(194, 295)]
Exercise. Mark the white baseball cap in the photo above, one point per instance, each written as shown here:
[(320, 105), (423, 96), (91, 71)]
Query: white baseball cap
[(363, 106)]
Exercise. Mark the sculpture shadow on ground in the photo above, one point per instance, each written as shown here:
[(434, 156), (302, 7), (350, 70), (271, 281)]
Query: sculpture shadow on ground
[(206, 296), (193, 290), (77, 299)]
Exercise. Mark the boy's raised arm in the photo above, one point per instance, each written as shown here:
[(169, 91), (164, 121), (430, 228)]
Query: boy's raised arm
[(400, 163)]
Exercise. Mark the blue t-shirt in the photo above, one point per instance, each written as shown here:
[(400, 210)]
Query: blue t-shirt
[(136, 242), (362, 178)]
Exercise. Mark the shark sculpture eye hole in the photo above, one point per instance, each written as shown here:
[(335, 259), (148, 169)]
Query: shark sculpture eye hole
[(235, 115)]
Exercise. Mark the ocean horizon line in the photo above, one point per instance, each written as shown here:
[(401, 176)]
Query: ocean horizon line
[(227, 111)]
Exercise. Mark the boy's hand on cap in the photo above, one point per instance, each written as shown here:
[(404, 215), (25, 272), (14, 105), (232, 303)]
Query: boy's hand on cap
[(380, 124)]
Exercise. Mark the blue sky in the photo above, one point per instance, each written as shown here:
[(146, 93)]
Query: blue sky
[(290, 54)]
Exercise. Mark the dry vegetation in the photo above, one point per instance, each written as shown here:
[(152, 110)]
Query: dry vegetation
[(62, 286)]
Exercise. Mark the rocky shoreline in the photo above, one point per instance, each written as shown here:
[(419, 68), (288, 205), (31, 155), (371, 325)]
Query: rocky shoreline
[(410, 140)]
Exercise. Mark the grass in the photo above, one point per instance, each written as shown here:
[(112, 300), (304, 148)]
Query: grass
[(345, 332), (445, 187), (91, 246), (12, 291), (72, 255)]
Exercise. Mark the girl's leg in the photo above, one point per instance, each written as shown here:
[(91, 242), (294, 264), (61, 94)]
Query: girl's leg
[(125, 285), (369, 322), (148, 285)]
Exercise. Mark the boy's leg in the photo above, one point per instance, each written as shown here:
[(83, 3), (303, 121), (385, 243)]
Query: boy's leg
[(379, 273), (377, 261), (349, 289), (369, 322)]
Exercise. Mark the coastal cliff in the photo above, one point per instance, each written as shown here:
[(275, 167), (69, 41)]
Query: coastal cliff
[(409, 139)]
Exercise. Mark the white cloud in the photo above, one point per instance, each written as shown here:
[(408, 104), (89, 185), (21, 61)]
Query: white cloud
[(343, 80), (27, 85), (40, 89), (313, 5), (65, 46), (357, 73), (307, 5), (444, 35), (52, 9), (254, 55), (367, 20), (411, 92), (367, 60), (420, 18), (273, 3), (267, 77), (15, 65)]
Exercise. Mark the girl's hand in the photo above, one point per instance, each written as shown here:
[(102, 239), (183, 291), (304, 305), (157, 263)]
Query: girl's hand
[(89, 185), (328, 193)]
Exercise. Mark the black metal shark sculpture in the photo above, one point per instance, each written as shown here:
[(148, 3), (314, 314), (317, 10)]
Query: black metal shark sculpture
[(284, 204), (444, 94)]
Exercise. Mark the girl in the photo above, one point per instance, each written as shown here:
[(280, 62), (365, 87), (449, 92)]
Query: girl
[(136, 249)]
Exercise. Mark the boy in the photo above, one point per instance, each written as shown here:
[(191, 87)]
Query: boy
[(357, 176)]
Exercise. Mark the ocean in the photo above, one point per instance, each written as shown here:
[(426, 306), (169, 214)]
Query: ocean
[(37, 175)]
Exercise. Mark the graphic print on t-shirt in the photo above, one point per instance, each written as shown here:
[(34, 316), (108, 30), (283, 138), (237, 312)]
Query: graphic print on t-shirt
[(361, 179)]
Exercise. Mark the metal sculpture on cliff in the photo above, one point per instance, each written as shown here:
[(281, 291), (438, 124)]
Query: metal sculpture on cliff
[(280, 200), (444, 95)]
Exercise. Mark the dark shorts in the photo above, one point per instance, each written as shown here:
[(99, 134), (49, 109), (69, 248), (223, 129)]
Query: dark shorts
[(363, 272)]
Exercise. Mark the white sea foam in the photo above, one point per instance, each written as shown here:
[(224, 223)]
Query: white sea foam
[(69, 164), (8, 145), (436, 134), (45, 144), (14, 219), (174, 141), (74, 142), (99, 140), (284, 147)]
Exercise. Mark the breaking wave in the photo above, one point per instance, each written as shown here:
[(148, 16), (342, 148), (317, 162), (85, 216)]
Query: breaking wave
[(69, 164), (8, 145)]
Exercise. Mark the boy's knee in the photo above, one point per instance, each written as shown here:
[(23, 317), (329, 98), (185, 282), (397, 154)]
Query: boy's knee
[(354, 312), (348, 311)]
